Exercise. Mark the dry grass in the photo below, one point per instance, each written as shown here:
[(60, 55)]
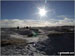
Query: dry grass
[(13, 41)]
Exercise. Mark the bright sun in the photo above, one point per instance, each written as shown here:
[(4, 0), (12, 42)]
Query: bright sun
[(42, 11)]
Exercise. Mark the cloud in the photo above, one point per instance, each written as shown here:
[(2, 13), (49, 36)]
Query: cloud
[(34, 23), (65, 21)]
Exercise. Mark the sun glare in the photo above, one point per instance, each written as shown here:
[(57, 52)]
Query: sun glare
[(42, 11)]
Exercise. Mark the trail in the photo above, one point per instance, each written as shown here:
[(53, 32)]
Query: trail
[(40, 37), (31, 47)]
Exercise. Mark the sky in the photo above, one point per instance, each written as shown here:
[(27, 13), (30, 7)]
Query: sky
[(25, 13)]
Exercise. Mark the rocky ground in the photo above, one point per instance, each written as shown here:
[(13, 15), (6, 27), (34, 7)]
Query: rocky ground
[(15, 43)]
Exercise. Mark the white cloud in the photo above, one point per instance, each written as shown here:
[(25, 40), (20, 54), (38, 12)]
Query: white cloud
[(65, 21), (22, 23)]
